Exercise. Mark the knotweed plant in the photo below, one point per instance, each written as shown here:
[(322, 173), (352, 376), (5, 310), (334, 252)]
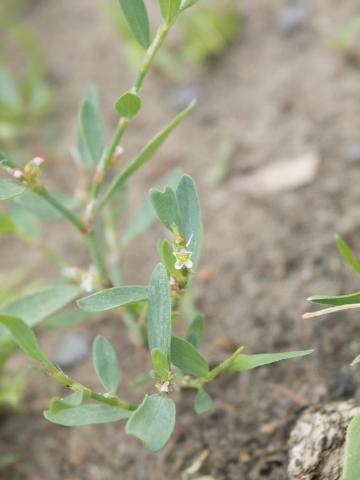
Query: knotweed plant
[(152, 309)]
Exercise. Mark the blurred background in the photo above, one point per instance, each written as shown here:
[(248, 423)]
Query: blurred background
[(274, 147)]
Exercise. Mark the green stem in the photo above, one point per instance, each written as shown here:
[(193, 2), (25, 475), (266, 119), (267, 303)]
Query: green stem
[(223, 366), (105, 160), (75, 386), (98, 260), (65, 212)]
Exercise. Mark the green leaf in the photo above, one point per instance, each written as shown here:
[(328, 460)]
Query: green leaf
[(73, 400), (168, 259), (37, 306), (146, 215), (160, 363), (10, 189), (242, 363), (203, 402), (26, 224), (347, 254), (185, 357), (352, 448), (166, 207), (337, 299), (169, 9), (137, 19), (159, 314), (87, 415), (24, 337), (92, 130), (106, 364), (356, 361), (113, 298), (148, 151), (128, 105), (153, 422), (195, 332), (190, 226), (9, 92)]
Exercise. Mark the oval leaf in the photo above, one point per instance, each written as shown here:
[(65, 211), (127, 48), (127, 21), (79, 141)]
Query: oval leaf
[(203, 402), (166, 207), (128, 105), (242, 363), (160, 363), (37, 306), (137, 19), (10, 189), (185, 357), (153, 422), (106, 364), (159, 314), (87, 415), (113, 298)]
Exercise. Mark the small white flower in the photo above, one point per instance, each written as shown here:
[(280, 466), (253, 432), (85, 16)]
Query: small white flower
[(119, 150), (183, 259), (38, 161), (165, 387), (17, 173)]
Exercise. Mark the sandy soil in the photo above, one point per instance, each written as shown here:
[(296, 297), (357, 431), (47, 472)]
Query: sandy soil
[(277, 96)]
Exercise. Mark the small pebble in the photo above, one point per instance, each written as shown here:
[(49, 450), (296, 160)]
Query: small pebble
[(73, 349)]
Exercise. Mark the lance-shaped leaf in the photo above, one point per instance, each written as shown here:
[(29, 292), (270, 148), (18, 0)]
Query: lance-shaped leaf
[(190, 225), (137, 19), (347, 254), (92, 130), (242, 362), (113, 298), (160, 363), (185, 357), (159, 314), (87, 415), (203, 402), (169, 9), (153, 422), (106, 364), (166, 207), (24, 337), (37, 306), (337, 299), (10, 189), (148, 151), (128, 105), (352, 448)]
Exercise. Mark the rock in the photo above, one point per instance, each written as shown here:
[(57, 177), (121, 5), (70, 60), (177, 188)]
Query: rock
[(317, 441), (293, 16), (74, 348)]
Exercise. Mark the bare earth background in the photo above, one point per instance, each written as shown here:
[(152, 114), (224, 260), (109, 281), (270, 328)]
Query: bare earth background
[(277, 96)]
